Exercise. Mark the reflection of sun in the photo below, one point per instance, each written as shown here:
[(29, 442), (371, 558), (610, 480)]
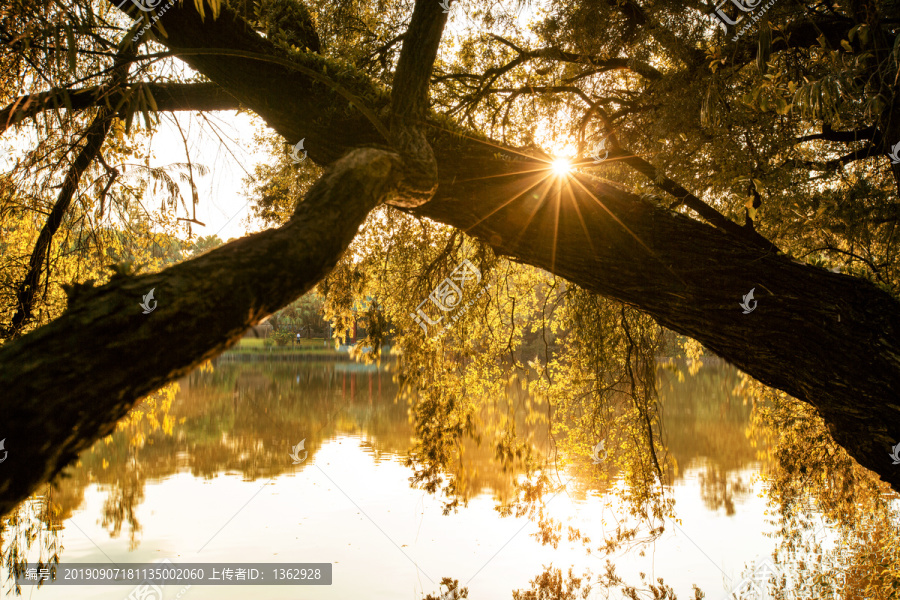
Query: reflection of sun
[(561, 166)]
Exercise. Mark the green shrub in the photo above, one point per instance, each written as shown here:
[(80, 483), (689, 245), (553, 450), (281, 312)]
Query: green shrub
[(283, 338)]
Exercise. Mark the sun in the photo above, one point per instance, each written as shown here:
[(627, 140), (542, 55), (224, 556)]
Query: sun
[(561, 166)]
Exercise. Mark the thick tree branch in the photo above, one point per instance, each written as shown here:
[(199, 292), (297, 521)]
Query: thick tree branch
[(56, 406), (869, 151), (409, 101), (31, 283), (830, 135), (682, 196), (600, 65), (227, 51), (168, 96), (94, 138), (803, 33)]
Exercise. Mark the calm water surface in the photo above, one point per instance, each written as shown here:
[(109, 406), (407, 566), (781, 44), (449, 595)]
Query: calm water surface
[(222, 487)]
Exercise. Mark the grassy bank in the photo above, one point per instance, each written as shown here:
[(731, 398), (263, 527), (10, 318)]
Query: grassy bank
[(305, 345)]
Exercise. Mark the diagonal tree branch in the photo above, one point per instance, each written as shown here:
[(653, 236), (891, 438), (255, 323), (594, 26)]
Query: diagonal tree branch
[(95, 136), (221, 293), (828, 339), (31, 283), (830, 135)]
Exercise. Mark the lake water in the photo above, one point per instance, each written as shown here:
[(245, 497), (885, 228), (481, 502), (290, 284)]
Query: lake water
[(222, 487)]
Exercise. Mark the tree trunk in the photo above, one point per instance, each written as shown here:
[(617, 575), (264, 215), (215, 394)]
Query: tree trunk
[(825, 338)]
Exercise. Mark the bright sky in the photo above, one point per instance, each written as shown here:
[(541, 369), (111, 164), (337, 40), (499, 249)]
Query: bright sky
[(230, 156)]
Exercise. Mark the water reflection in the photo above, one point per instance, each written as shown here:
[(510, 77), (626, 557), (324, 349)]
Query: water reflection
[(239, 421), (243, 418), (707, 424)]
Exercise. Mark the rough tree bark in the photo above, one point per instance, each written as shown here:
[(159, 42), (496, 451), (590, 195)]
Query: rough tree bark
[(218, 295), (828, 339)]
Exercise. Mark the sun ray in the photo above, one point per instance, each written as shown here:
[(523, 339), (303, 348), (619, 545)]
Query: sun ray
[(581, 218), (631, 233), (537, 207), (556, 223), (525, 172), (528, 157), (505, 204)]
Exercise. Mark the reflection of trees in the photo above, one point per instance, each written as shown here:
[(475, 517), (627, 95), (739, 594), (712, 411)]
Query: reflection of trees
[(551, 584), (815, 486), (705, 419), (718, 488), (244, 417), (123, 497), (707, 423), (34, 524)]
